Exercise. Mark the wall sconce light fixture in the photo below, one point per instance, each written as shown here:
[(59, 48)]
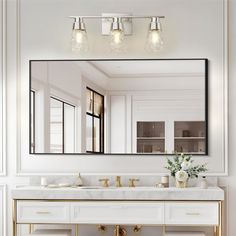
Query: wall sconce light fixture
[(79, 35), (154, 38), (117, 34), (117, 26)]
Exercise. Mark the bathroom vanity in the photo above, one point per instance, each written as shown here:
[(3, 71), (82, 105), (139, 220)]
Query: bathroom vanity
[(148, 206)]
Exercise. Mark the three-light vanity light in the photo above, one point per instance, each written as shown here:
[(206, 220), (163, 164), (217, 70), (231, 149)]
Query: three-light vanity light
[(117, 26)]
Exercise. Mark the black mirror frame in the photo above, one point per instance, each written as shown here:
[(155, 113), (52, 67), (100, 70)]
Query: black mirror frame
[(126, 154)]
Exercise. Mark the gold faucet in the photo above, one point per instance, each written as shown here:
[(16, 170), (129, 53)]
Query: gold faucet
[(132, 182), (137, 228), (120, 231), (102, 228), (118, 182), (105, 182)]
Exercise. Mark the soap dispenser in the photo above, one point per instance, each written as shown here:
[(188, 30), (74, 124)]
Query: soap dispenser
[(79, 181)]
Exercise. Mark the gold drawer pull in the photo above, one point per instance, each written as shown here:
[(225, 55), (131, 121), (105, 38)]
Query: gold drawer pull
[(43, 212), (193, 214)]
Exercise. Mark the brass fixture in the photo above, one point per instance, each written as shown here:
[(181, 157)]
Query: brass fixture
[(14, 218), (118, 182), (132, 182), (120, 231), (105, 182), (137, 228), (76, 230), (31, 228), (102, 228)]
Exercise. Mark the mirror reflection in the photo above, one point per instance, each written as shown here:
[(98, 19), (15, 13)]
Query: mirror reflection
[(118, 106)]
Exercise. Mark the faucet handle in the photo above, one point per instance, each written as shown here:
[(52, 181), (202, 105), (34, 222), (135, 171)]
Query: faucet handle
[(132, 182), (105, 182), (118, 182)]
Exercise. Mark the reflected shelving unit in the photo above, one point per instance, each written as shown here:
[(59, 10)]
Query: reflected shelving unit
[(150, 137), (189, 137), (160, 137)]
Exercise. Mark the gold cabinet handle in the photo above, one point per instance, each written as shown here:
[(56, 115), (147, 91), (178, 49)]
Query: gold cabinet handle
[(193, 214), (43, 212)]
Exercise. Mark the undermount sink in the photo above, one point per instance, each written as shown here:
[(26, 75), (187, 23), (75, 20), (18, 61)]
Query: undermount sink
[(95, 187), (125, 188), (118, 188)]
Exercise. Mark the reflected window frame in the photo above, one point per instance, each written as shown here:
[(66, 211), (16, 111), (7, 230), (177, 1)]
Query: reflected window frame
[(101, 122), (63, 121), (32, 118)]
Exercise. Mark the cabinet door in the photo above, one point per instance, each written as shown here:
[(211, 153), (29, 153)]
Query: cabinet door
[(117, 213), (194, 213)]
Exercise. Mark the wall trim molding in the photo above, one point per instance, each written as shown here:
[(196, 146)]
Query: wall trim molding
[(20, 171), (3, 224), (3, 27), (18, 84), (226, 86)]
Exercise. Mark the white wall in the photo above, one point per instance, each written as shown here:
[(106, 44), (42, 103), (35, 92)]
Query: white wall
[(53, 41), (53, 45), (230, 181)]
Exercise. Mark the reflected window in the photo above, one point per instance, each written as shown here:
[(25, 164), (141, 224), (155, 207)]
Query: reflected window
[(32, 118), (94, 122), (62, 126)]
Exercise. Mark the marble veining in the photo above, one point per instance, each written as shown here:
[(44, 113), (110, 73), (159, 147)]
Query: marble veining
[(124, 193)]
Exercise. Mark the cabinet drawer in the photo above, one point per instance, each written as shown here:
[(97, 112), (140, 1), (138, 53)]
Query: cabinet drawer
[(43, 212), (117, 213), (199, 213)]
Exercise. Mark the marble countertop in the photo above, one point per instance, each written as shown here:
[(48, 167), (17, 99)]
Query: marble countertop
[(124, 193)]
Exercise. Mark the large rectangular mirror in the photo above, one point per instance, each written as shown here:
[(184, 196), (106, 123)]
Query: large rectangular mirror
[(118, 106)]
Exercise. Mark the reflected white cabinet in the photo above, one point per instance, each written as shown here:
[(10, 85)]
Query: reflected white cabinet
[(158, 137), (150, 137)]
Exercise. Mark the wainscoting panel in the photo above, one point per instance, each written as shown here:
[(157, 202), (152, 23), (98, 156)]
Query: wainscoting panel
[(2, 85), (3, 210)]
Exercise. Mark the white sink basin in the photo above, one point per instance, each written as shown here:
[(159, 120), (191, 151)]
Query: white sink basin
[(119, 188), (95, 187)]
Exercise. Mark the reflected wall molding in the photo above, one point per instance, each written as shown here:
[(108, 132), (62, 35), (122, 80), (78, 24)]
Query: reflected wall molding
[(22, 170), (3, 36)]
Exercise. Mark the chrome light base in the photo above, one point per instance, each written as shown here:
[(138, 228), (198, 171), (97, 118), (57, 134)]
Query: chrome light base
[(107, 23)]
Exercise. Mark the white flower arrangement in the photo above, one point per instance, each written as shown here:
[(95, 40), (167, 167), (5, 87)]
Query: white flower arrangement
[(181, 176), (182, 167)]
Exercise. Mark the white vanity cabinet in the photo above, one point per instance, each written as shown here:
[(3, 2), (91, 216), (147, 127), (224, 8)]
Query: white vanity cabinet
[(110, 212), (147, 206), (192, 213), (43, 212)]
